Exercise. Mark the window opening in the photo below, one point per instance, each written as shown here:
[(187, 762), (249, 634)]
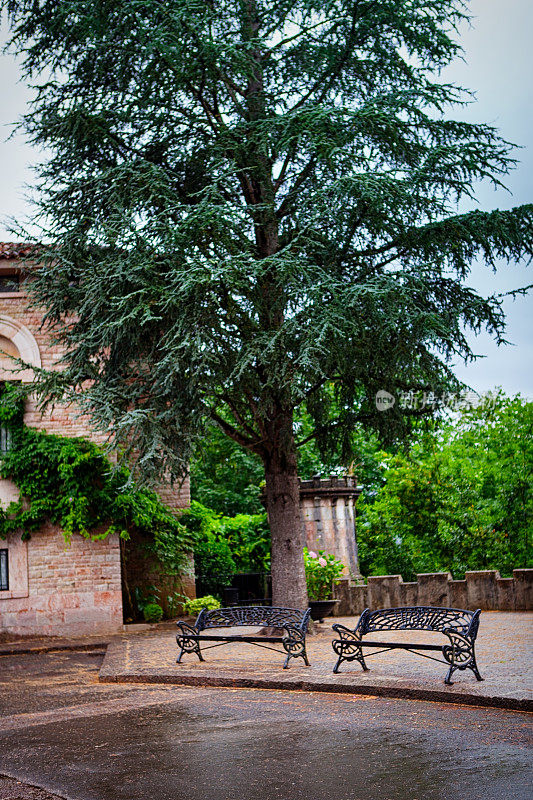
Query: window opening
[(9, 282), (4, 571), (6, 431)]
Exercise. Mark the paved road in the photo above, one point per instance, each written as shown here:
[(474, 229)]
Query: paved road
[(67, 734)]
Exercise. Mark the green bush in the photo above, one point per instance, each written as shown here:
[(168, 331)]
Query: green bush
[(226, 545), (322, 570), (153, 612), (194, 606)]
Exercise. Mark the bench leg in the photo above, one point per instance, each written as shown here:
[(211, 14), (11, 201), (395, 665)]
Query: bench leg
[(473, 667), (447, 679), (296, 655), (337, 665), (355, 653), (188, 645), (294, 646), (459, 655)]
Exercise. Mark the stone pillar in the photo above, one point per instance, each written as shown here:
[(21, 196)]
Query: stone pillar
[(328, 517)]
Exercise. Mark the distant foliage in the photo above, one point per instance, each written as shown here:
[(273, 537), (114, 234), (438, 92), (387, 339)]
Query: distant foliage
[(226, 545), (460, 500), (214, 566), (224, 476)]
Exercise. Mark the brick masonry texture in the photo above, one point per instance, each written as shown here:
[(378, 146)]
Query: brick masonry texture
[(483, 589), (73, 589)]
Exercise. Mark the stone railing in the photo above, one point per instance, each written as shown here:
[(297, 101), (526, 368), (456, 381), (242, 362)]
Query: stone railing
[(484, 589)]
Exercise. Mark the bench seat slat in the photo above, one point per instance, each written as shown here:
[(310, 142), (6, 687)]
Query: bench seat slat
[(236, 637), (401, 645)]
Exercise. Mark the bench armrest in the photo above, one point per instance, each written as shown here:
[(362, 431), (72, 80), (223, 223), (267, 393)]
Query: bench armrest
[(186, 629), (346, 633), (305, 621), (294, 630), (473, 627)]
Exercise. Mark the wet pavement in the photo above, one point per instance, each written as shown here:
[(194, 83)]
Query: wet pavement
[(64, 732), (504, 650)]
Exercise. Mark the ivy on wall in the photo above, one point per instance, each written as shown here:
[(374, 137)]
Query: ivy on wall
[(71, 483)]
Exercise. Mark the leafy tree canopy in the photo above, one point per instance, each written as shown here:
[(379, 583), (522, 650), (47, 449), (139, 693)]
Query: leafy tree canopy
[(229, 479), (251, 201), (461, 499)]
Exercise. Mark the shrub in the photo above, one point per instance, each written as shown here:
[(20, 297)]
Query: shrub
[(322, 570), (153, 612), (225, 545), (194, 606)]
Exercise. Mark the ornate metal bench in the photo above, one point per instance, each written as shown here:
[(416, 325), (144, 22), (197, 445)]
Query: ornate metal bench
[(459, 626), (292, 620)]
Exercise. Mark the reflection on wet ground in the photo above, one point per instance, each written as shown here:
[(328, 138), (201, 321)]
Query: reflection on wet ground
[(139, 743)]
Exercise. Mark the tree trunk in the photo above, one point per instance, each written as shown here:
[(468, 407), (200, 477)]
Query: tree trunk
[(283, 508)]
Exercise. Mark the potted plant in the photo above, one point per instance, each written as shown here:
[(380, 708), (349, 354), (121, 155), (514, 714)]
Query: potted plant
[(322, 571)]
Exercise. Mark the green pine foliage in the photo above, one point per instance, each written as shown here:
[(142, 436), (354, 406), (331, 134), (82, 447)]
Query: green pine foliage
[(461, 499), (248, 199)]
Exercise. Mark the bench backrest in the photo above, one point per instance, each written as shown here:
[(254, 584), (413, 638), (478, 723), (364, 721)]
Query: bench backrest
[(417, 618), (266, 616)]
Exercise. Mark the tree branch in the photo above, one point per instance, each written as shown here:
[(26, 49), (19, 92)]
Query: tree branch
[(302, 177), (233, 433)]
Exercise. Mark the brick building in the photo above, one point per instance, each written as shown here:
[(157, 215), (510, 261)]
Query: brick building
[(46, 586)]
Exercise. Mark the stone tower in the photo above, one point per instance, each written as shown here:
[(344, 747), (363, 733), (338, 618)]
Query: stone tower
[(328, 517)]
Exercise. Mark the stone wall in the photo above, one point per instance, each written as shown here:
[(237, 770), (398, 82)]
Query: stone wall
[(54, 589), (60, 589), (484, 589)]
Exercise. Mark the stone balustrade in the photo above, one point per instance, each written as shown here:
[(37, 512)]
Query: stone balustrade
[(483, 589)]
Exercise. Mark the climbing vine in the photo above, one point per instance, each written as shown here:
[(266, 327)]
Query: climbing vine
[(71, 483)]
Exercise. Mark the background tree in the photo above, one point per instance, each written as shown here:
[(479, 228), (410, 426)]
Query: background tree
[(460, 499), (250, 201)]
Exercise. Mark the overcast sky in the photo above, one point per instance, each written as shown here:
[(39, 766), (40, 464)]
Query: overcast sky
[(498, 66)]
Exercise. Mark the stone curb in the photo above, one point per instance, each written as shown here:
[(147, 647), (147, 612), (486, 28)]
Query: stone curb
[(406, 693), (15, 650)]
